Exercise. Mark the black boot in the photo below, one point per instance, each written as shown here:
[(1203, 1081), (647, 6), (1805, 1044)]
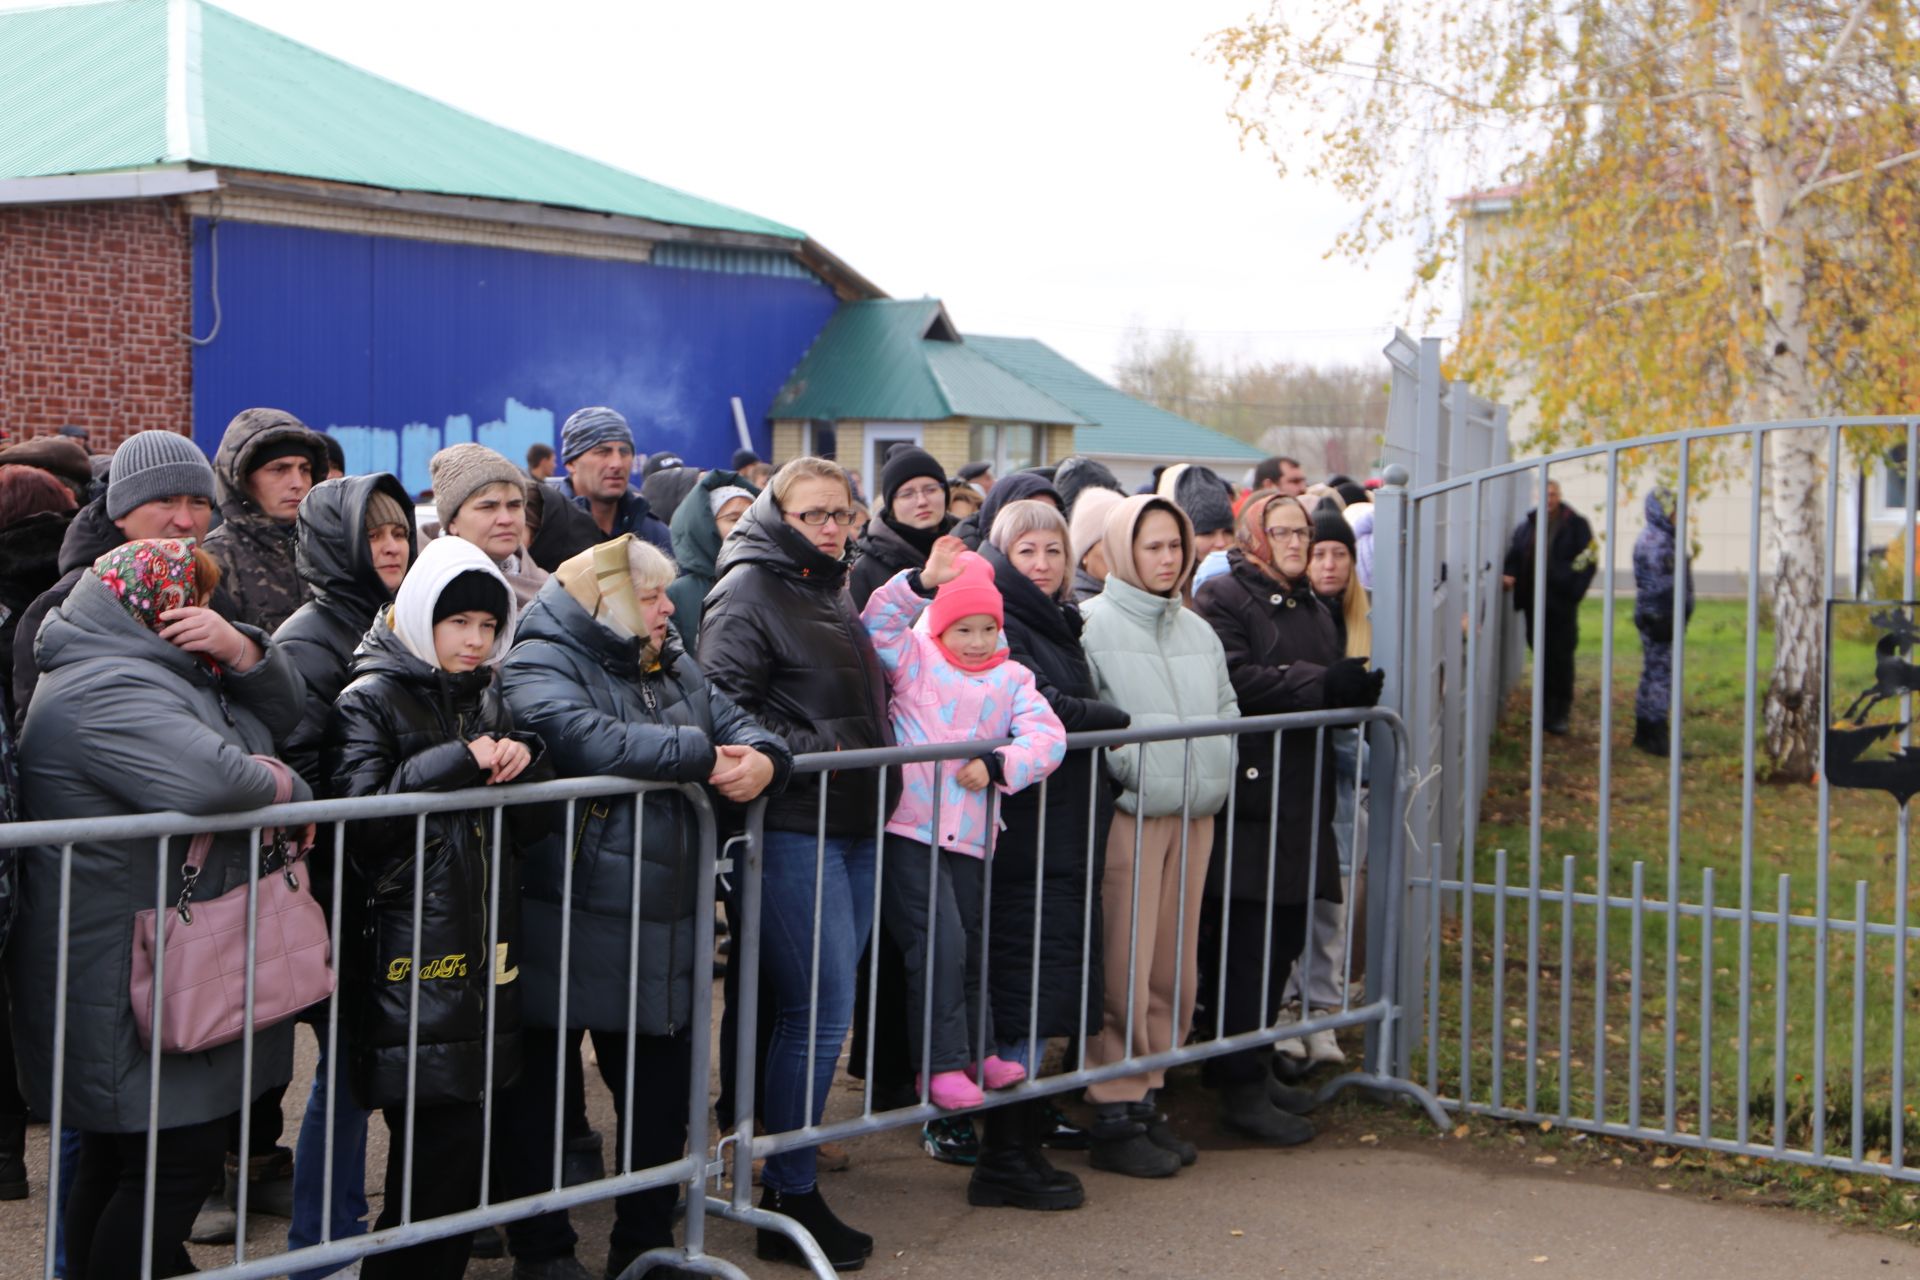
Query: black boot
[(1160, 1132), (13, 1157), (1290, 1098), (1011, 1170), (1246, 1109), (1651, 736), (846, 1249), (1119, 1144)]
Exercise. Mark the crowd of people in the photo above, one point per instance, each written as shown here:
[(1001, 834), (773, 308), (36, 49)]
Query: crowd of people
[(172, 623)]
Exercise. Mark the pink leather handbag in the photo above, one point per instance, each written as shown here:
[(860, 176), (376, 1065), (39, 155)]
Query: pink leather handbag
[(203, 999)]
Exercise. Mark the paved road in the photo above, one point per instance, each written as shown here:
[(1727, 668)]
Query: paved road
[(1413, 1208)]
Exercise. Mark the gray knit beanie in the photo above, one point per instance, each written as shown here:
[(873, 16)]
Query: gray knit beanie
[(592, 426), (156, 464), (459, 471)]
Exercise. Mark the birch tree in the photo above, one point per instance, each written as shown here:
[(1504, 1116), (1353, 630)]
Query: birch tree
[(1712, 219)]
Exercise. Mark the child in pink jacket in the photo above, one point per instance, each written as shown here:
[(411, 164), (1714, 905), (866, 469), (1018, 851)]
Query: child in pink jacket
[(952, 683)]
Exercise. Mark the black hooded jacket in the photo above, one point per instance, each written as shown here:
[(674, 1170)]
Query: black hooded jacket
[(975, 529), (91, 535), (782, 639), (401, 726), (558, 529), (1043, 635), (29, 564), (885, 551), (696, 546), (336, 563)]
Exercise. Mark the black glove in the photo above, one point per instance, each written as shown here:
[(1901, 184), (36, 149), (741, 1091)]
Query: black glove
[(1348, 683)]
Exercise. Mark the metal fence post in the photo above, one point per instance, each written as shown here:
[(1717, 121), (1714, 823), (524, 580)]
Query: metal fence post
[(1391, 528)]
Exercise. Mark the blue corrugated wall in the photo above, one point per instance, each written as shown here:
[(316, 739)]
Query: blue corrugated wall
[(398, 347)]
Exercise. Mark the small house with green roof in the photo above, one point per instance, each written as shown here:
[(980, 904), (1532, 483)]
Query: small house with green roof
[(890, 371), (198, 215)]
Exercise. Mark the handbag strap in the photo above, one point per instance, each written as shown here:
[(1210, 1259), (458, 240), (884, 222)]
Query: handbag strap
[(202, 844)]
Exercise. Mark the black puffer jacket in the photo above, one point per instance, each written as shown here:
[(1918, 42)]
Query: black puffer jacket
[(29, 564), (336, 562), (581, 688), (885, 551), (696, 546), (781, 638), (1279, 641), (1043, 636), (559, 531), (91, 535), (402, 725)]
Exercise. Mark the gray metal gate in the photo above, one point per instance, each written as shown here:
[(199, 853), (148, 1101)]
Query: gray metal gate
[(1734, 1003)]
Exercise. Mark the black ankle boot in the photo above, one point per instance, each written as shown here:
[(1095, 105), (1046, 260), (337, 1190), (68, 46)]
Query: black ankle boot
[(845, 1248), (1246, 1109), (1012, 1171), (1651, 736), (1161, 1134), (1119, 1144), (13, 1157)]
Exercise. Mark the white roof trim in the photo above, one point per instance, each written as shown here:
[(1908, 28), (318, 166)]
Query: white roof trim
[(134, 184)]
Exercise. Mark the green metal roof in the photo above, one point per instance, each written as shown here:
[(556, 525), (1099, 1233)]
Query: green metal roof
[(901, 360), (124, 84), (1116, 423)]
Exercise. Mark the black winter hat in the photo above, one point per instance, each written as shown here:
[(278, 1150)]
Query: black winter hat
[(286, 447), (1330, 525), (742, 459), (904, 463), (1077, 474), (472, 592), (1351, 493), (1205, 498)]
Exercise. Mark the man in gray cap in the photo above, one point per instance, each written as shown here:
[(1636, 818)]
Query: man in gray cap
[(160, 486), (596, 444)]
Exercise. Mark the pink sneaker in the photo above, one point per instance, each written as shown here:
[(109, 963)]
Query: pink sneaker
[(1001, 1074), (953, 1091)]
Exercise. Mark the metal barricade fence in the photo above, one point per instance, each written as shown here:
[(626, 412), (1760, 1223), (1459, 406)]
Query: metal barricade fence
[(1648, 990), (1379, 1010), (55, 842)]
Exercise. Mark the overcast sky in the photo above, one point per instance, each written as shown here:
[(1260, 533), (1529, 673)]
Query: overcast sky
[(1049, 169)]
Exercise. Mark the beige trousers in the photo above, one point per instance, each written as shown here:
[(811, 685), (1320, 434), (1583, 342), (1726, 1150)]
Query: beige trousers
[(1166, 941)]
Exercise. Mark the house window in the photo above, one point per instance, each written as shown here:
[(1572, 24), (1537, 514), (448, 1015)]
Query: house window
[(820, 439), (1893, 475), (1011, 446)]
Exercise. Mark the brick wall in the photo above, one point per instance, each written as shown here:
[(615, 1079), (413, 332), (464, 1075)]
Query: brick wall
[(95, 303)]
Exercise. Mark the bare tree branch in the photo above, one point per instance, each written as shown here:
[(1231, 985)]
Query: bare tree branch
[(1804, 93), (1839, 179)]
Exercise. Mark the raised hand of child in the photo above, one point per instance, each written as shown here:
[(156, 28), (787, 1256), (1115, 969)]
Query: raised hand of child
[(974, 776), (943, 564)]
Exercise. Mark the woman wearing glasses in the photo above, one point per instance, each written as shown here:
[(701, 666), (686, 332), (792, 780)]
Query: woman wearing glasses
[(782, 639), (1284, 654)]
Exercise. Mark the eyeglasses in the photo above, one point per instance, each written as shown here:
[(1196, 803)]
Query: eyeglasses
[(1289, 535), (818, 517), (918, 493)]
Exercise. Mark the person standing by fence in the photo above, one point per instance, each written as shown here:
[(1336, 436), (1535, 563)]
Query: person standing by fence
[(1284, 653), (781, 638), (266, 463), (598, 674), (1163, 665), (1656, 559), (1572, 557), (148, 700), (1051, 855), (424, 713)]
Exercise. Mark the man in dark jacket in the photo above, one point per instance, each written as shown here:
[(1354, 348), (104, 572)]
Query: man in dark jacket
[(599, 674), (1571, 559), (266, 462), (913, 516), (596, 444), (160, 486), (1656, 560)]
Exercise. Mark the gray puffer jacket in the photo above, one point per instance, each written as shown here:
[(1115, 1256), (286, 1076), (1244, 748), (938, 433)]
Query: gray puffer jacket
[(581, 688), (122, 723)]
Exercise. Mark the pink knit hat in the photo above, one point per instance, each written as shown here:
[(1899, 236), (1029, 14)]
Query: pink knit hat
[(962, 597)]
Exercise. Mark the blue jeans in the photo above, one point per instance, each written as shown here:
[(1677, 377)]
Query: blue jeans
[(348, 1211), (786, 941)]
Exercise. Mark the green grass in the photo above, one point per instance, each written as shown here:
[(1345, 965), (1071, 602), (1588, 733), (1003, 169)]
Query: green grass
[(1711, 831)]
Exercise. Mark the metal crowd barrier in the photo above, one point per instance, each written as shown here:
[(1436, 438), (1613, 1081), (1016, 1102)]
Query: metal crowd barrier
[(168, 830), (1379, 1011), (1622, 1047)]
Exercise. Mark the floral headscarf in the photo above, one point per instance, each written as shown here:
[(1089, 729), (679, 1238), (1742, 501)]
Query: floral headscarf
[(1252, 527), (150, 577)]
